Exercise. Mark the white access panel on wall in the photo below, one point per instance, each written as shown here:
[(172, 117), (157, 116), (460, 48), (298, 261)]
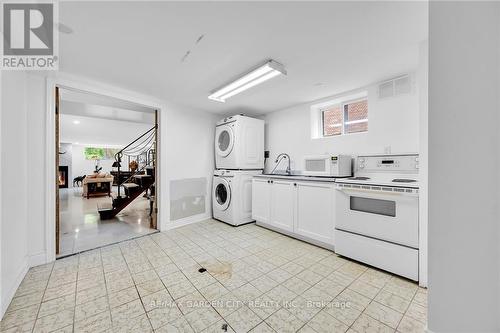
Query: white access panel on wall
[(239, 143)]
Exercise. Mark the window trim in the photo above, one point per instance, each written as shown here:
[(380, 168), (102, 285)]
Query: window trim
[(322, 122), (342, 105)]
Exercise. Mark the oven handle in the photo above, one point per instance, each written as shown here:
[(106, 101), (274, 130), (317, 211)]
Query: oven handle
[(359, 190)]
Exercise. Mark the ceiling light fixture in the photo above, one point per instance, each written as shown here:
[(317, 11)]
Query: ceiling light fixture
[(258, 75), (76, 122)]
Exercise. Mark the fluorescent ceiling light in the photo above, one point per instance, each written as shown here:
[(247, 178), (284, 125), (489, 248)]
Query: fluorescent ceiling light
[(263, 73)]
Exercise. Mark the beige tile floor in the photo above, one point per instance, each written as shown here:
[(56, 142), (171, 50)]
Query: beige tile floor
[(257, 281), (82, 229)]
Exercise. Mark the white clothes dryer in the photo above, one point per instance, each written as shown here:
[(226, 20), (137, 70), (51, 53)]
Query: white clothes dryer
[(239, 143)]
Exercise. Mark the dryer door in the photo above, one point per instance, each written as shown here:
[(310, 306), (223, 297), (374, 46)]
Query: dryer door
[(224, 140), (222, 193)]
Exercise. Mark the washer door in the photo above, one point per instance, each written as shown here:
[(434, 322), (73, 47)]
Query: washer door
[(222, 193), (224, 140)]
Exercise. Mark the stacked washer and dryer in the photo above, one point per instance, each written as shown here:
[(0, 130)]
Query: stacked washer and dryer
[(239, 155)]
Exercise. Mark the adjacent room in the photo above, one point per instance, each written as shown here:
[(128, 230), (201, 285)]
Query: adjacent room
[(93, 129), (250, 167)]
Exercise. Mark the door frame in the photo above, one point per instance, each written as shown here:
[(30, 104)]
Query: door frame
[(93, 87)]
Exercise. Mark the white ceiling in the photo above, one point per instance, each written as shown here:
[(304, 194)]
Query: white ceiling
[(342, 45)]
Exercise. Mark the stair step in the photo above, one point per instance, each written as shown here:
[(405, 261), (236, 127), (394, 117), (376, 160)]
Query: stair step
[(142, 176), (130, 185), (105, 211), (104, 205)]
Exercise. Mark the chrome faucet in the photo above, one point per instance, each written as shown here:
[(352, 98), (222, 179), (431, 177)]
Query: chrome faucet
[(280, 158)]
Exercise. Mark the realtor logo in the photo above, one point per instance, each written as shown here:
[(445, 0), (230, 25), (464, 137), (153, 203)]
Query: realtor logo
[(29, 40)]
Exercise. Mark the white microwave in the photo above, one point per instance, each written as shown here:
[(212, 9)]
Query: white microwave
[(328, 166)]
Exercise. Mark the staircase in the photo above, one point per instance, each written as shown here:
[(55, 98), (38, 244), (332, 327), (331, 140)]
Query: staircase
[(142, 180)]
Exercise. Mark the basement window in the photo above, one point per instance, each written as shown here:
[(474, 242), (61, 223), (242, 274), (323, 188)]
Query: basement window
[(344, 117)]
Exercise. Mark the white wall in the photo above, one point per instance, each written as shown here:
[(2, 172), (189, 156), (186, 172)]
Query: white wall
[(36, 177), (190, 149), (14, 187), (464, 176), (393, 122), (423, 209)]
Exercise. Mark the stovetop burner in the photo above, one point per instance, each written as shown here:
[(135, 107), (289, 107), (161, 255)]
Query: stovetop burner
[(403, 180), (359, 178)]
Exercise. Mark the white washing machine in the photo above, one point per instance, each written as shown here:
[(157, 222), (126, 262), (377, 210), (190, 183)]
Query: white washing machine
[(232, 196), (239, 143)]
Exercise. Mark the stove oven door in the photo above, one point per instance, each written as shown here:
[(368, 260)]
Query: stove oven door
[(386, 214)]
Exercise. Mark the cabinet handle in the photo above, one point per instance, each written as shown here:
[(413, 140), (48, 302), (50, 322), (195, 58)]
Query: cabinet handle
[(272, 181), (269, 182), (294, 184)]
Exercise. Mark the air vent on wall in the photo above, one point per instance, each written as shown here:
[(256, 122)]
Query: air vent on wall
[(395, 87)]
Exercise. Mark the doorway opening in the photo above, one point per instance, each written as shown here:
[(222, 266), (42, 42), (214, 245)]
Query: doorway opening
[(106, 162)]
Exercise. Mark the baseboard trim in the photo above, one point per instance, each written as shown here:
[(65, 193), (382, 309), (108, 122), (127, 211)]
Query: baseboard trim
[(186, 221), (9, 295), (37, 259)]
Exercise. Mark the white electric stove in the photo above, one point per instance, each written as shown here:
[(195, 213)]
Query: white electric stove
[(377, 213)]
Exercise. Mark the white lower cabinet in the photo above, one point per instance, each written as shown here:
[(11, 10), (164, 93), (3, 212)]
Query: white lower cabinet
[(314, 211), (281, 205), (261, 194), (301, 208)]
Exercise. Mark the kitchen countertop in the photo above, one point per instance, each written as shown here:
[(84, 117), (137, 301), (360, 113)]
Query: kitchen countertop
[(299, 177)]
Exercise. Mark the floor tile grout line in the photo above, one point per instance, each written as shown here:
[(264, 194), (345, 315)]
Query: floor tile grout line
[(103, 246), (76, 293), (92, 300), (212, 306), (373, 300), (411, 301), (135, 285), (41, 300), (322, 309), (204, 295), (149, 261)]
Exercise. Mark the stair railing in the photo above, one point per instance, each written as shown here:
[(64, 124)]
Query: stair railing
[(148, 136), (137, 172)]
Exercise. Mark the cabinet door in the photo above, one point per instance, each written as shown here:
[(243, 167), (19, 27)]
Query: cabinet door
[(282, 201), (261, 190), (315, 211)]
